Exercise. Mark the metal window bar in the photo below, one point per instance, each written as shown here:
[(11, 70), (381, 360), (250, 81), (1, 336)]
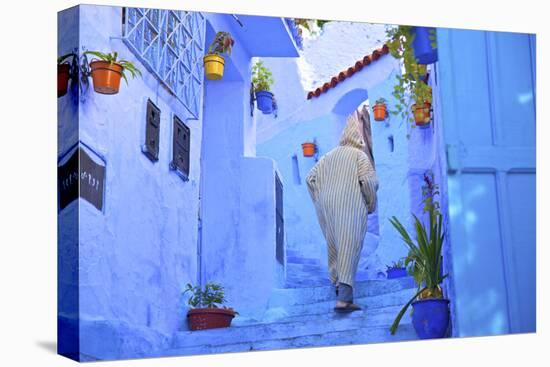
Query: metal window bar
[(170, 43)]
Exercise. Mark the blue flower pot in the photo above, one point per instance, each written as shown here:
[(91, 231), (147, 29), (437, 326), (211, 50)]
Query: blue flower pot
[(431, 318), (396, 273), (264, 101), (422, 45)]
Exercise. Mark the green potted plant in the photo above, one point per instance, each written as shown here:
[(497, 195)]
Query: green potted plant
[(411, 92), (430, 307), (208, 310), (396, 269), (63, 74), (107, 70), (213, 61), (262, 80), (380, 109)]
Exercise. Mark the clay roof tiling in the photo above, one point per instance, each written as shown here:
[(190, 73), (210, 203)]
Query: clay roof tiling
[(344, 74)]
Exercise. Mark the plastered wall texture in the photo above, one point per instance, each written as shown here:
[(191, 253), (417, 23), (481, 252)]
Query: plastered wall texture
[(124, 268)]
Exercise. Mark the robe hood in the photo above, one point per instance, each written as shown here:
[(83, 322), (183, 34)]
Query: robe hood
[(351, 136)]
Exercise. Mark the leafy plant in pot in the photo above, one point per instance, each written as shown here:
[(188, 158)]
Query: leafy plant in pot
[(430, 308), (262, 80), (107, 70), (396, 269), (214, 62), (410, 91), (207, 310), (380, 109), (63, 74)]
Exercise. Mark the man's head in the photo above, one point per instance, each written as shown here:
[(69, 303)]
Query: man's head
[(353, 134)]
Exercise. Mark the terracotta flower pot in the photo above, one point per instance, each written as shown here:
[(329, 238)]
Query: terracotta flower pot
[(308, 149), (63, 76), (106, 76), (209, 318), (213, 66), (379, 111), (422, 114)]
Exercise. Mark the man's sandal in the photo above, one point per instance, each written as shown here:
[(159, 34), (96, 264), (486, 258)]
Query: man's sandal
[(349, 307)]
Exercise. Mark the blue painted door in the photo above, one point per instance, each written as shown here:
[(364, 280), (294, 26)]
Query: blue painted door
[(487, 90)]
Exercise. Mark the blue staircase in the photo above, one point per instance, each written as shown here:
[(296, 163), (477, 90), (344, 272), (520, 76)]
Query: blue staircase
[(301, 315)]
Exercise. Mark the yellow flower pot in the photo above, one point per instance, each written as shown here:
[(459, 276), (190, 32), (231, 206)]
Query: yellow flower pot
[(213, 66)]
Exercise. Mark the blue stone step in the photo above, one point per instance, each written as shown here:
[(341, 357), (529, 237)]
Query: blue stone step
[(301, 260), (310, 275), (372, 302), (294, 296), (377, 316), (366, 321), (368, 335)]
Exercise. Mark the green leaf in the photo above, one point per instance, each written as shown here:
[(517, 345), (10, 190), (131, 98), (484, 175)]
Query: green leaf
[(399, 316)]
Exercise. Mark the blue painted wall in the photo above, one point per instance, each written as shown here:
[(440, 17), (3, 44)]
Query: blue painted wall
[(122, 269), (68, 221), (322, 119)]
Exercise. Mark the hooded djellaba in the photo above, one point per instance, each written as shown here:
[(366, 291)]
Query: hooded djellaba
[(343, 187)]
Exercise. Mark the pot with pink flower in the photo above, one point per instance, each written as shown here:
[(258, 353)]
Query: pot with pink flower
[(213, 61)]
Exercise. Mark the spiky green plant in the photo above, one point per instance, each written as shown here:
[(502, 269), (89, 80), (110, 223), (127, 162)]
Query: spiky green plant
[(112, 58), (423, 261), (399, 264)]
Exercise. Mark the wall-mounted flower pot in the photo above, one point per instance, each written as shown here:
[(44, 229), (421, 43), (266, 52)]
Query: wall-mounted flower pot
[(213, 66), (106, 76), (264, 101), (308, 149), (380, 111), (431, 317), (422, 116), (422, 45), (63, 76), (396, 273), (209, 318)]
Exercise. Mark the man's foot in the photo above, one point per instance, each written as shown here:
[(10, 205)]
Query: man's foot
[(345, 307)]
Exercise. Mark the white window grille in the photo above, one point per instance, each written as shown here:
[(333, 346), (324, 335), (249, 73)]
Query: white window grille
[(171, 46)]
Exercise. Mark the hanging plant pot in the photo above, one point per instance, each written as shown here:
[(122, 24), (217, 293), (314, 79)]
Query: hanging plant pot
[(106, 76), (213, 66), (209, 318), (308, 149), (422, 114), (431, 317), (264, 101), (394, 273), (422, 45), (63, 76), (380, 111)]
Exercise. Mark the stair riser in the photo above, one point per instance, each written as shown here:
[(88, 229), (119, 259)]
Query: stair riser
[(297, 296), (349, 337), (377, 317), (282, 330), (392, 299)]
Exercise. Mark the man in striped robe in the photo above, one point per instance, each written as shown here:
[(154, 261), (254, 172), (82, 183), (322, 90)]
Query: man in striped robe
[(343, 187)]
